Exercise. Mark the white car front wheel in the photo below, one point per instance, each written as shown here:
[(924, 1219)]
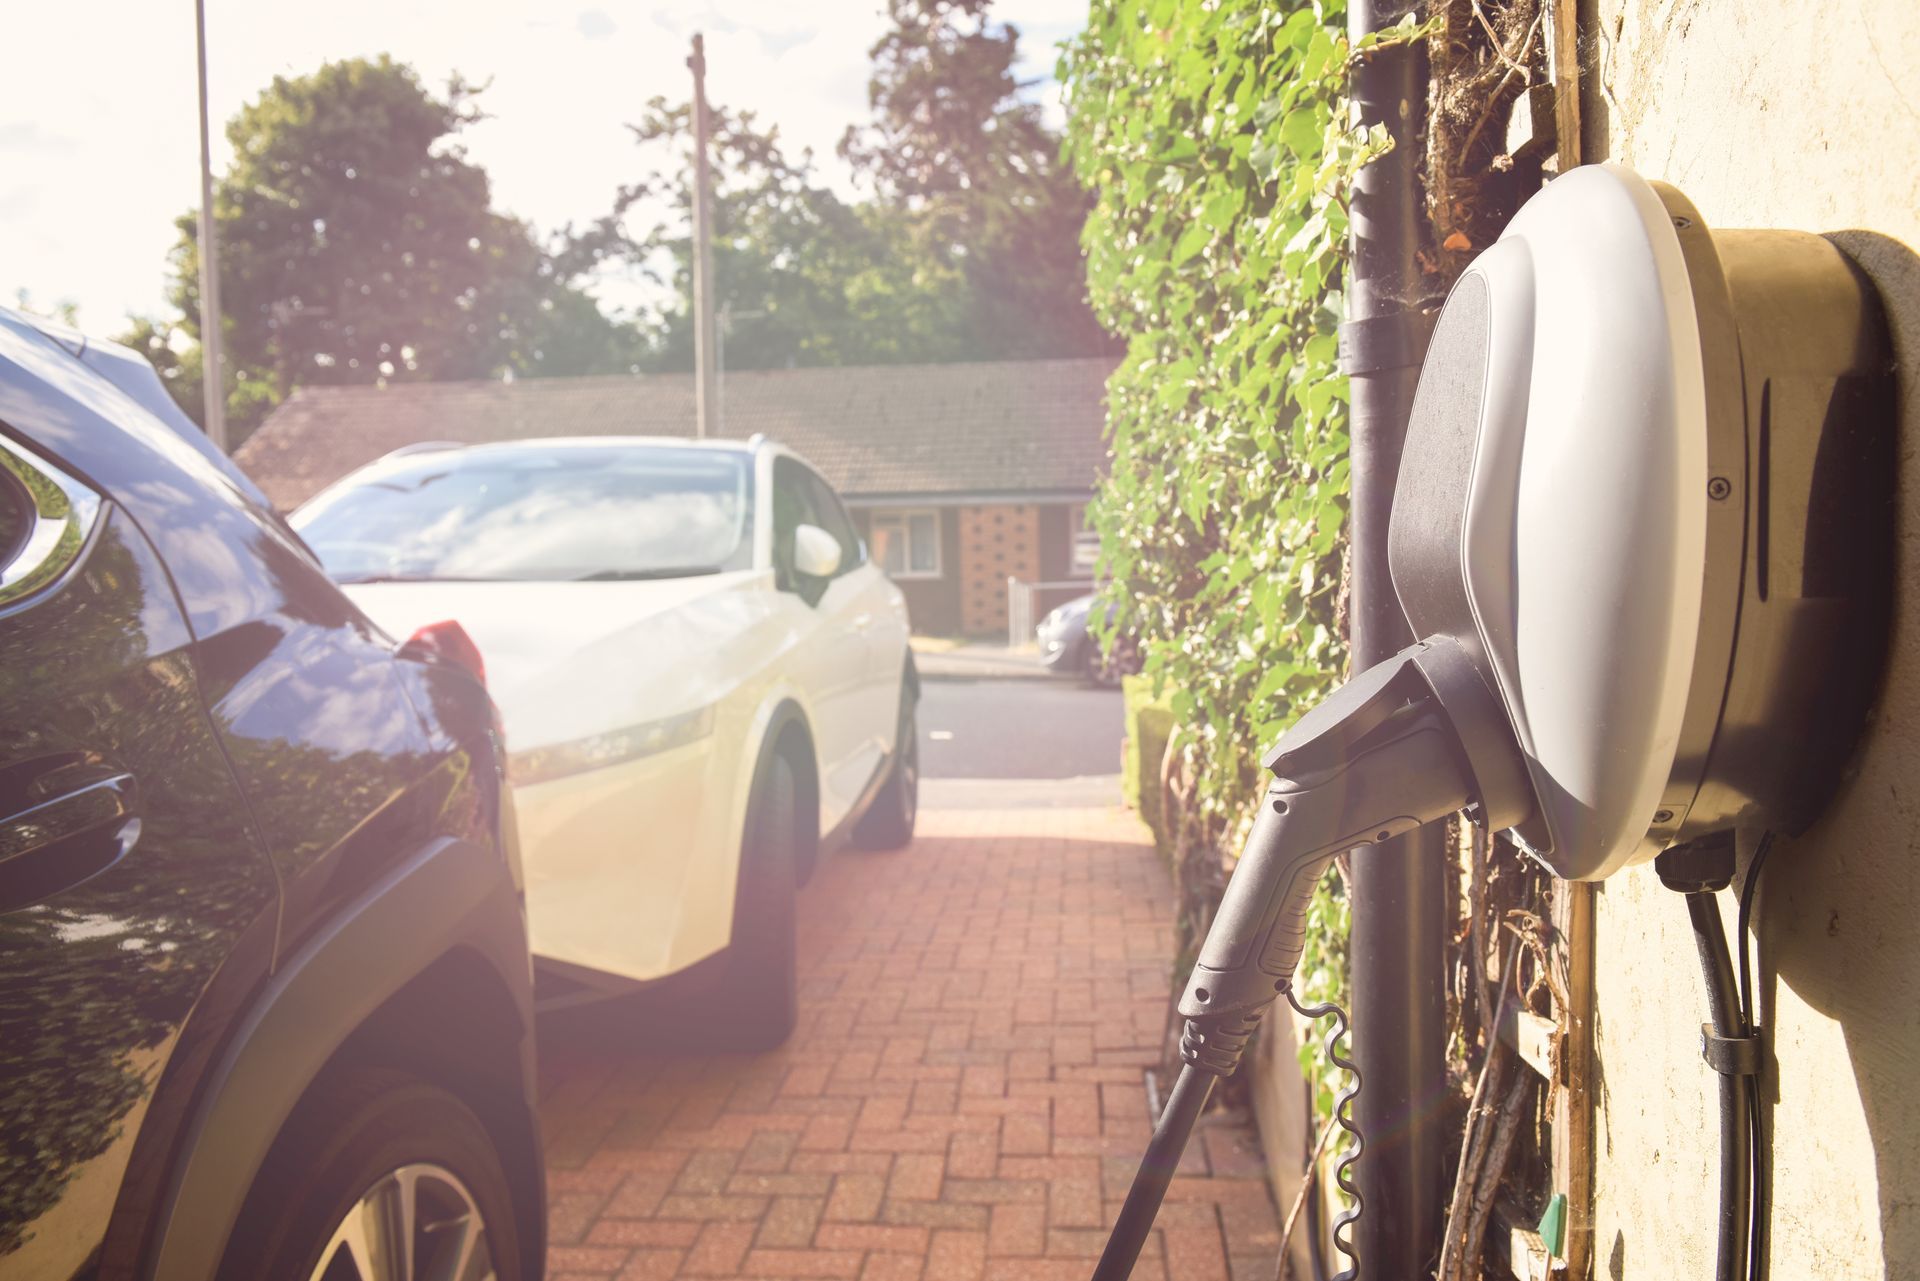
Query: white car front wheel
[(758, 1002), (888, 825)]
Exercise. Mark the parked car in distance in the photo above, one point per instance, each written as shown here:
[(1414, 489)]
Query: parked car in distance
[(704, 681), (264, 983), (1069, 648)]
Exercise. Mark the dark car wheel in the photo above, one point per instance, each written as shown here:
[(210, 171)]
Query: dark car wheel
[(379, 1176), (1107, 669), (888, 823), (759, 998)]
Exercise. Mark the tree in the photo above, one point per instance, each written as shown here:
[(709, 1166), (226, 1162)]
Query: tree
[(174, 352), (357, 244), (959, 143), (814, 280)]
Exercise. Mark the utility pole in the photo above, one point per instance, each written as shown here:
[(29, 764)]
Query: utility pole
[(212, 385), (725, 327), (706, 397)]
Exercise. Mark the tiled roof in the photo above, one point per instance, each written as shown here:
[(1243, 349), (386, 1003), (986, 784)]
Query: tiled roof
[(993, 427)]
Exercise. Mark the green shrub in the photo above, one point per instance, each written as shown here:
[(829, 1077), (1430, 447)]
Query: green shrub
[(1216, 137), (1149, 725)]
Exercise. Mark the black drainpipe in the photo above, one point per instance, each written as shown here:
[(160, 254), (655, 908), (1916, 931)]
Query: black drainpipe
[(1399, 922)]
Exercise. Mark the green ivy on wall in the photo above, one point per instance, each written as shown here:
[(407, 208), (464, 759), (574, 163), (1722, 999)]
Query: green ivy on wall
[(1216, 136)]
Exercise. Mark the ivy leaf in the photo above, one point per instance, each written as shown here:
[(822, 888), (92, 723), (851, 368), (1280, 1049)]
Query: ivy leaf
[(1301, 132), (1221, 210), (1191, 243), (1265, 159)]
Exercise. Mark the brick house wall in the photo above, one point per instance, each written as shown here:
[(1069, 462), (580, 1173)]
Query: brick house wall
[(981, 544), (933, 604)]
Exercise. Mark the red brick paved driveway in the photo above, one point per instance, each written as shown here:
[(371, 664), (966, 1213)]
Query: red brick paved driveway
[(963, 1098)]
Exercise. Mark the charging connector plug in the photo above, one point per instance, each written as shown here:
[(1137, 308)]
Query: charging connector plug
[(1406, 742), (1403, 772)]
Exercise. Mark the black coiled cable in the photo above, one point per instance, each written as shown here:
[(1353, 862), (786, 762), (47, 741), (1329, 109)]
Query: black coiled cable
[(1342, 1117)]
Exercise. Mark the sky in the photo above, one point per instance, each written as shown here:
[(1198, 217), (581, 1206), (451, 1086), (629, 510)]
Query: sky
[(99, 141)]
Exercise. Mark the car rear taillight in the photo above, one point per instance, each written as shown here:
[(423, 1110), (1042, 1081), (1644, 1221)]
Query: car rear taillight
[(446, 642)]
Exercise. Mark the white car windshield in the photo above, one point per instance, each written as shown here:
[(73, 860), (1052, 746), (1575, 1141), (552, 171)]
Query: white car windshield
[(537, 514)]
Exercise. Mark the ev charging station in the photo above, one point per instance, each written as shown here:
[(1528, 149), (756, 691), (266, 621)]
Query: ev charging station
[(1644, 535)]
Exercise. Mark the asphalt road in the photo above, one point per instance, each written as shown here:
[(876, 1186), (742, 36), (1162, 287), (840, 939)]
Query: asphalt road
[(1040, 741)]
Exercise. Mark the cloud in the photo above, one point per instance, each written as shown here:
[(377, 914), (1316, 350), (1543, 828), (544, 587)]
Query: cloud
[(778, 42), (18, 203), (594, 24), (30, 135)]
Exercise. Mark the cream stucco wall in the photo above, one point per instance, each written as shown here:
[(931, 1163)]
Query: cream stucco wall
[(1801, 114)]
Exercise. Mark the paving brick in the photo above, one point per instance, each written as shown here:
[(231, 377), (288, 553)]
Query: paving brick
[(769, 1151), (974, 1155), (935, 1214), (916, 1178), (643, 1232), (879, 1163), (856, 1198), (802, 1263), (1026, 1135), (893, 1267), (1041, 1270), (1074, 1203), (957, 1256), (732, 1208), (790, 1221), (870, 1236), (962, 1098), (793, 1183), (826, 1134), (593, 1260), (638, 1196), (651, 1265), (571, 1214), (706, 1172), (1018, 1228)]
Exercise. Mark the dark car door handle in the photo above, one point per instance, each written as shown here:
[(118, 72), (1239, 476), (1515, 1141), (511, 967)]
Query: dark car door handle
[(59, 843)]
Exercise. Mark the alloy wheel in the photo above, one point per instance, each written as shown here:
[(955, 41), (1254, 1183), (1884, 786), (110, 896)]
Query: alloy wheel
[(416, 1223)]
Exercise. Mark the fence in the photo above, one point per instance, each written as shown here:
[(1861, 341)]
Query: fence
[(1020, 601)]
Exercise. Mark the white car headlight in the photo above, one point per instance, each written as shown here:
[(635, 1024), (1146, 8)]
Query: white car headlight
[(597, 751)]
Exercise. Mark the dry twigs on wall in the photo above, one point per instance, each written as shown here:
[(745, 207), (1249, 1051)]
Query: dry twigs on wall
[(1483, 54)]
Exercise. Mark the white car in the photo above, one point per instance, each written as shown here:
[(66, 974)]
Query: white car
[(704, 682)]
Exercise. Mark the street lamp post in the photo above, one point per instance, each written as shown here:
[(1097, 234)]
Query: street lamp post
[(211, 383)]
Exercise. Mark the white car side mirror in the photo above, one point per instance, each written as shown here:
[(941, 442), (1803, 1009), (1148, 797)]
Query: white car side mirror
[(816, 553)]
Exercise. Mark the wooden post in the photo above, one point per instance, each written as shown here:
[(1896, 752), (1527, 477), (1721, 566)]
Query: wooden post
[(1573, 901), (1573, 907), (1566, 82)]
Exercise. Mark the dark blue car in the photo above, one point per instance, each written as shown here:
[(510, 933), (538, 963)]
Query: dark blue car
[(265, 1006)]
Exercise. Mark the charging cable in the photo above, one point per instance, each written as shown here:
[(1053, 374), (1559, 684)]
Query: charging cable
[(1380, 757), (1699, 870)]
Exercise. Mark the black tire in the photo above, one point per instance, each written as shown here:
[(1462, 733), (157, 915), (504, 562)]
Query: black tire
[(342, 1149), (1106, 670), (758, 1001), (888, 822)]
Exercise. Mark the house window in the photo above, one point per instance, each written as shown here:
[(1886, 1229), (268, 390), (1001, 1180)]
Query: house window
[(1084, 542), (907, 543)]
